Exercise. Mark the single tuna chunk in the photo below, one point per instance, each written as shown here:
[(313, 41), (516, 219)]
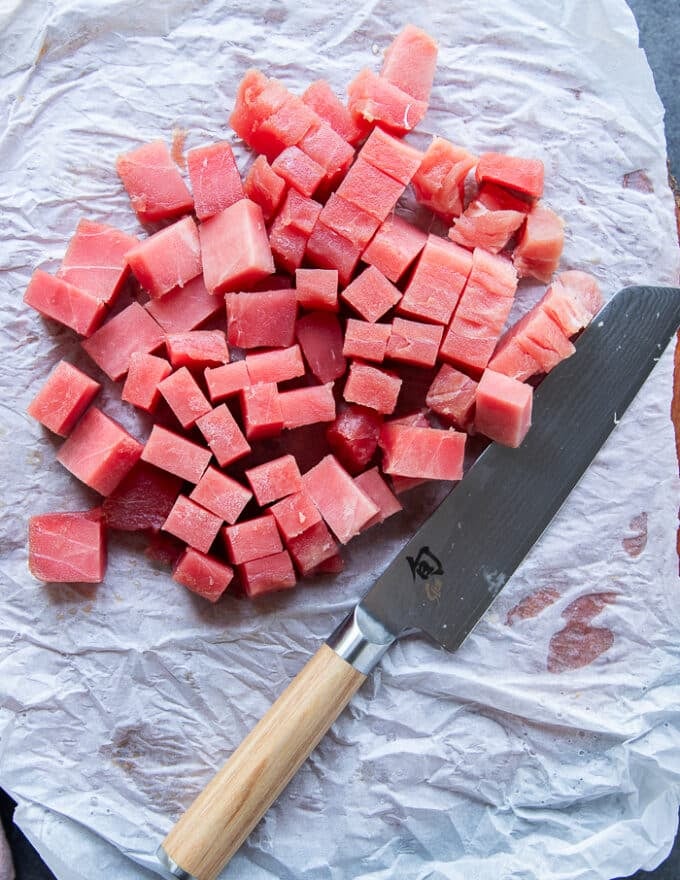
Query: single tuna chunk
[(439, 183), (202, 574), (572, 301), (184, 308), (394, 247), (261, 409), (410, 62), (343, 505), (223, 435), (540, 244), (477, 226), (521, 175), (95, 260), (414, 343), (543, 340), (329, 150), (333, 565), (371, 189), (252, 539), (503, 408), (371, 295), (257, 98), (264, 187), (326, 104), (295, 514), (392, 156), (317, 289), (261, 319), (215, 180), (481, 313), (353, 437), (63, 398), (452, 397), (267, 575), (440, 275), (184, 397), (130, 331), (371, 387), (144, 374), (307, 406), (327, 249), (376, 100), (312, 547), (284, 128), (235, 248), (353, 223), (298, 170), (427, 453), (278, 365), (67, 548), (175, 454), (192, 524), (366, 341), (320, 338), (197, 349), (373, 485), (221, 495), (99, 452), (142, 500), (155, 186), (291, 229), (274, 479), (498, 198), (226, 381), (298, 212), (62, 302)]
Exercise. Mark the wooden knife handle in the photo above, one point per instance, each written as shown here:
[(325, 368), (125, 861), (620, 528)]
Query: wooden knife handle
[(231, 805)]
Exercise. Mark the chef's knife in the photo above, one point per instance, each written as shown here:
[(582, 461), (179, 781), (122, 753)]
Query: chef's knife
[(447, 575)]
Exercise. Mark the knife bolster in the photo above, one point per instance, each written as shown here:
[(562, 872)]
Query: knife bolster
[(361, 640)]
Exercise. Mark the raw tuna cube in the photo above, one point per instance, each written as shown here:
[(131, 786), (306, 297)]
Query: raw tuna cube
[(410, 62), (202, 574), (438, 281), (307, 406), (317, 289), (540, 338), (373, 485), (284, 128), (370, 189), (142, 500), (365, 340), (145, 373), (131, 330), (155, 186), (264, 187), (252, 539), (72, 307), (327, 149), (405, 484), (498, 198), (395, 157), (312, 547), (267, 575), (221, 495), (540, 244), (326, 104), (95, 260), (342, 504), (214, 177), (67, 548), (371, 294), (274, 479), (512, 360), (503, 408), (353, 437), (262, 411), (257, 99), (377, 100), (294, 515), (522, 175), (320, 338), (275, 366), (572, 301), (298, 212), (63, 398), (479, 227), (414, 343), (298, 170), (192, 524), (452, 397), (332, 565), (371, 387), (99, 451), (351, 222), (226, 381), (184, 397), (261, 319), (288, 246), (439, 183), (184, 308), (175, 454), (223, 435), (422, 452), (481, 313), (394, 247), (197, 348), (329, 250), (235, 247)]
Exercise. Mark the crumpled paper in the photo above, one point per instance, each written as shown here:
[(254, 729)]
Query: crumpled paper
[(118, 702)]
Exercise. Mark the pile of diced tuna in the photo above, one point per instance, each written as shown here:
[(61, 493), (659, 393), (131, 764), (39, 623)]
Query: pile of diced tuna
[(334, 302)]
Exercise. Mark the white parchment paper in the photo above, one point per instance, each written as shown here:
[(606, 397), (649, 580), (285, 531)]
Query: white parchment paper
[(118, 703)]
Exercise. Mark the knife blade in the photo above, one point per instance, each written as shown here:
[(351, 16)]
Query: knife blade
[(447, 575)]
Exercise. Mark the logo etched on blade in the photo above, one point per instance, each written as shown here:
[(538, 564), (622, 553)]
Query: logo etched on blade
[(425, 564)]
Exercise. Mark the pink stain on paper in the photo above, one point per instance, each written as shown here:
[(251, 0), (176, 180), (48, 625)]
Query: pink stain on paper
[(578, 643), (636, 541), (532, 604)]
